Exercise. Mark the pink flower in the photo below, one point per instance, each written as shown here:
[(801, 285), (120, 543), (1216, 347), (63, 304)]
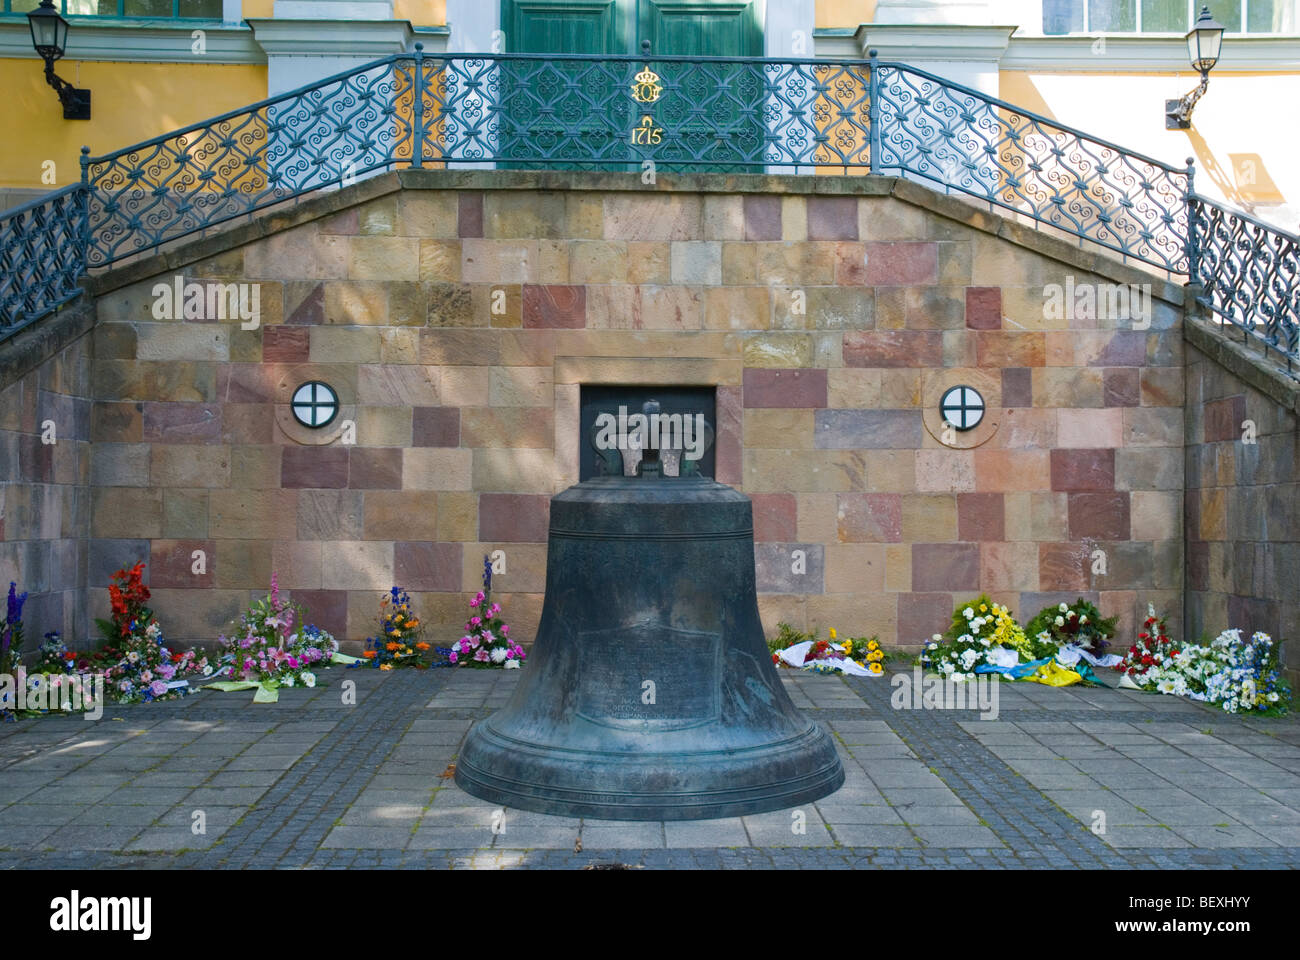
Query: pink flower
[(494, 609), (452, 656), (293, 663), (157, 688), (275, 590), (488, 637), (481, 655), (505, 628), (475, 621), (475, 602)]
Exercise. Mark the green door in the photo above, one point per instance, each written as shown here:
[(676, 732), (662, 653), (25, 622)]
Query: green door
[(558, 111)]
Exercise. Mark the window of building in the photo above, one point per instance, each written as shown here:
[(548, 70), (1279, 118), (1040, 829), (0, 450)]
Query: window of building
[(1166, 16), (153, 9)]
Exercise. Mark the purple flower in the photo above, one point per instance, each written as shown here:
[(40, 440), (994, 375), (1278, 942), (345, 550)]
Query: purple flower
[(157, 688), (14, 611)]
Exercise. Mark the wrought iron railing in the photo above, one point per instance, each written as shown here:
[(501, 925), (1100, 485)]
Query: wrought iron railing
[(1249, 273), (42, 256), (528, 111)]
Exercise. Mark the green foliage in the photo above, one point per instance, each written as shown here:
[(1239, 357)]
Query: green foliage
[(1081, 624)]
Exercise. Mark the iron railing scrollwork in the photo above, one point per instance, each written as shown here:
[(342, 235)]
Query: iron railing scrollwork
[(624, 113), (1249, 273), (42, 256)]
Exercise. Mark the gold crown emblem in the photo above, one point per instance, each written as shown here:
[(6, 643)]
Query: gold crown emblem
[(647, 88)]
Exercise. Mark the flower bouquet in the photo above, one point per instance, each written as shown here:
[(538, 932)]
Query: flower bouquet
[(1080, 625), (139, 666), (398, 643), (857, 656), (1238, 674), (53, 655), (268, 653), (486, 642), (11, 645), (982, 633)]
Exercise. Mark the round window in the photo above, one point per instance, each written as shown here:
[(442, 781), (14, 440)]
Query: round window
[(314, 404), (962, 406)]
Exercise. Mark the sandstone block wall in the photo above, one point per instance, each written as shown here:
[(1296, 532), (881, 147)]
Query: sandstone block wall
[(458, 325)]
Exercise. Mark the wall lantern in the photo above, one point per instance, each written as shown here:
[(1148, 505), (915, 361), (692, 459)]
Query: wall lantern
[(1203, 42), (315, 404), (50, 38)]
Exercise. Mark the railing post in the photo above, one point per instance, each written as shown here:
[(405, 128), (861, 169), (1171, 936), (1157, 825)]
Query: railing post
[(417, 87), (83, 228), (873, 112), (1193, 246)]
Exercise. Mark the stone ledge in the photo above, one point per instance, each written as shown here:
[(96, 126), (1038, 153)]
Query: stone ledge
[(31, 347), (1243, 361)]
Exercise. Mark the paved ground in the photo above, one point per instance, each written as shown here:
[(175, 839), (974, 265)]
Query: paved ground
[(312, 782)]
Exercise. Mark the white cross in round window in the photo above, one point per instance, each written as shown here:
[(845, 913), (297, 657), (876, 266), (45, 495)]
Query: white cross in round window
[(962, 406), (314, 404)]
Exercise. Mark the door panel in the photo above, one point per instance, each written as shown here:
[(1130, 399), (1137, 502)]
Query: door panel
[(560, 110), (563, 109), (715, 110)]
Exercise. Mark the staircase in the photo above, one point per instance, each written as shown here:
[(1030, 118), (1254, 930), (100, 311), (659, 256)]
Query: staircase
[(689, 113)]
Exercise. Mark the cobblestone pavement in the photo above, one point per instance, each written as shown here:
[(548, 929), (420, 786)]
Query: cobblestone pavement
[(1062, 777)]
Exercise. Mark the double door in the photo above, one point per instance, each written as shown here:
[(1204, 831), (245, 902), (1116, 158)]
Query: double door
[(574, 113)]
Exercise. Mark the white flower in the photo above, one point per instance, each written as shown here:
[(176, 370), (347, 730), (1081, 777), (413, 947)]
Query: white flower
[(207, 670), (308, 678), (1060, 621), (1063, 608), (948, 667), (937, 637), (959, 678), (512, 664), (965, 638), (932, 645), (498, 654), (1165, 686), (968, 613), (985, 641), (1083, 619), (288, 680)]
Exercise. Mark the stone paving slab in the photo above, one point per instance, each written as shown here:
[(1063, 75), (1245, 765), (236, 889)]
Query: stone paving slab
[(311, 782)]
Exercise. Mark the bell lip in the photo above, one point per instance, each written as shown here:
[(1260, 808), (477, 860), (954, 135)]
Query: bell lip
[(577, 792)]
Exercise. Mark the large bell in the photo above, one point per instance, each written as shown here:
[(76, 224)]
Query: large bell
[(649, 693)]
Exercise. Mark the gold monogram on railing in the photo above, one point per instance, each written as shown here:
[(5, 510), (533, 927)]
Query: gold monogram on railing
[(646, 133), (646, 88)]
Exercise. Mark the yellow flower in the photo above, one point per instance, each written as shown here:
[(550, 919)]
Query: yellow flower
[(875, 668), (984, 608), (872, 645), (385, 666), (875, 656), (848, 647), (832, 633)]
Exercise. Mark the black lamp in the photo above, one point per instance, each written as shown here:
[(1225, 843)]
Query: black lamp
[(1203, 43), (50, 38)]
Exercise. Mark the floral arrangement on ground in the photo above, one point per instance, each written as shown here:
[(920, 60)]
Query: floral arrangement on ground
[(398, 643), (486, 642), (1062, 645), (137, 664), (857, 656), (1239, 674), (275, 647)]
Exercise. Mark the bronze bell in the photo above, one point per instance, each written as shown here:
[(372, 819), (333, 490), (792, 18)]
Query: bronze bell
[(649, 693)]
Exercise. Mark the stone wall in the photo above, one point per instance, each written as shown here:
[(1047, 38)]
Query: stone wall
[(830, 314), (1243, 498), (44, 464)]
